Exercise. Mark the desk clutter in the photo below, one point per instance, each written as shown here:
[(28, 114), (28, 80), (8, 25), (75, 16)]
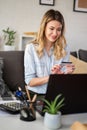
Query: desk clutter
[(21, 103)]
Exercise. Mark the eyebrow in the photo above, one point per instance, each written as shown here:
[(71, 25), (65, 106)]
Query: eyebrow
[(60, 27)]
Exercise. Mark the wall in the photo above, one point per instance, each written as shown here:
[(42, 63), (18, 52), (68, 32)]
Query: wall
[(25, 15)]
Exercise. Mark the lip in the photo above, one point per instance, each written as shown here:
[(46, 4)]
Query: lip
[(53, 38)]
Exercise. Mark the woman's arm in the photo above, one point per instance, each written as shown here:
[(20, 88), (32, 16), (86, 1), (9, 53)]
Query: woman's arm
[(31, 77), (29, 66), (38, 81)]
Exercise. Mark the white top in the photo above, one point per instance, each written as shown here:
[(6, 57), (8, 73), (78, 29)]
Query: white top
[(40, 67)]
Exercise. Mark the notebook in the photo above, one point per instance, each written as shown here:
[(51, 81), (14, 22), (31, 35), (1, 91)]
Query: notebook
[(73, 88)]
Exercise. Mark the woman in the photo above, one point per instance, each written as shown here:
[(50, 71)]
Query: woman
[(45, 55)]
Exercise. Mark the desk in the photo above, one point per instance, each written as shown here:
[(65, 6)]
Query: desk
[(13, 122)]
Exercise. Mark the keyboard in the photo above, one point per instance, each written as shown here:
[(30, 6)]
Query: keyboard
[(12, 106)]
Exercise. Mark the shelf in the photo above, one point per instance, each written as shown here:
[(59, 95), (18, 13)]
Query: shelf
[(25, 38)]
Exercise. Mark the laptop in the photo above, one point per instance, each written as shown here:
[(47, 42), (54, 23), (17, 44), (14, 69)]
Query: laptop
[(73, 88)]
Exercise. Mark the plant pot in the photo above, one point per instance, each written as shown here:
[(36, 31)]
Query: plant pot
[(52, 121), (9, 48)]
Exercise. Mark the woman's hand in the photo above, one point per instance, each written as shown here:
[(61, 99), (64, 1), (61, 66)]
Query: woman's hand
[(63, 69), (68, 68), (56, 69)]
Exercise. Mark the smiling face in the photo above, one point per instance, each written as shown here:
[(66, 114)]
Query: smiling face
[(53, 31)]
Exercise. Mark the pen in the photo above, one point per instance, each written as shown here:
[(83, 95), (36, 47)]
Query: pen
[(34, 98), (28, 94)]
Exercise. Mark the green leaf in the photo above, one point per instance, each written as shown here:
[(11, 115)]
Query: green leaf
[(9, 36), (54, 106)]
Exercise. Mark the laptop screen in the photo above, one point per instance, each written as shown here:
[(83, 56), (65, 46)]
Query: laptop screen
[(73, 88)]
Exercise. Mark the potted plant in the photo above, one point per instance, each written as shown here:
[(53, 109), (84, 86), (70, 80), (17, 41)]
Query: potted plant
[(9, 39), (52, 118)]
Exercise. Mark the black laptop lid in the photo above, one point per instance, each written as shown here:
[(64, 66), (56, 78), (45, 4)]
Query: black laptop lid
[(73, 87)]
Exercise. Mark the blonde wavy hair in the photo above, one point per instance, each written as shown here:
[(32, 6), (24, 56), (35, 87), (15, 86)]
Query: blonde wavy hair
[(60, 43)]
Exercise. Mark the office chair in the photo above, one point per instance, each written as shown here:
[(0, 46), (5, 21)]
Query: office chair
[(82, 54)]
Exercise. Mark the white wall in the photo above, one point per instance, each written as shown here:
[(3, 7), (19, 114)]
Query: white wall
[(25, 15)]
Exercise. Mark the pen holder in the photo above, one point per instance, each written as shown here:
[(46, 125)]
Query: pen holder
[(28, 113)]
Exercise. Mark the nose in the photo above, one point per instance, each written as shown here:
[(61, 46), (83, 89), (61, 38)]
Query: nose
[(55, 33)]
